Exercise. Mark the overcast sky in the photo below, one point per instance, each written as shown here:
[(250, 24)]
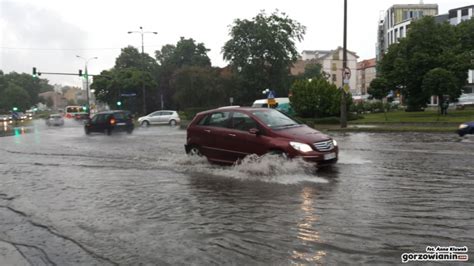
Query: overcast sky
[(48, 34)]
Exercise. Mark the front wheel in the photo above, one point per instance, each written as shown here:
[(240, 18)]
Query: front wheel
[(87, 131), (194, 151), (145, 124)]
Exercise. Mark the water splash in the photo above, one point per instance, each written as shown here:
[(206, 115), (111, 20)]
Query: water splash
[(269, 168)]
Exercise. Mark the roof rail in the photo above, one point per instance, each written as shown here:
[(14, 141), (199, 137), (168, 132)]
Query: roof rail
[(230, 106)]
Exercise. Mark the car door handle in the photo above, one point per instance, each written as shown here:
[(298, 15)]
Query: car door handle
[(207, 130), (232, 135)]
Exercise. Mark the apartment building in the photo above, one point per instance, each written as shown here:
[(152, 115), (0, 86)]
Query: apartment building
[(396, 23)]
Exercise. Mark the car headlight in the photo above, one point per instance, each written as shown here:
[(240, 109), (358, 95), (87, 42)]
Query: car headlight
[(462, 126), (334, 142), (300, 146)]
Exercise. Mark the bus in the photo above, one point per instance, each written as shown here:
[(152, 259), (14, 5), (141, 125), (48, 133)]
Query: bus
[(72, 110)]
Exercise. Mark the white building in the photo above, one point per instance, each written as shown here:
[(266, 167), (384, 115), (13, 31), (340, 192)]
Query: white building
[(331, 62)]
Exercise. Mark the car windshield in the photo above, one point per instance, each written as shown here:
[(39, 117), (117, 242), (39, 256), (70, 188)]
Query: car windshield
[(275, 119)]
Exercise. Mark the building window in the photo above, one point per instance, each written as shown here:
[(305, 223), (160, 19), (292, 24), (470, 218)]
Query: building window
[(334, 78), (396, 35), (401, 32), (465, 12), (333, 67), (453, 13)]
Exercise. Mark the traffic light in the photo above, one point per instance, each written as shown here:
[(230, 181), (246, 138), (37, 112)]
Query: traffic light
[(34, 72), (119, 103), (80, 72), (15, 109), (84, 108)]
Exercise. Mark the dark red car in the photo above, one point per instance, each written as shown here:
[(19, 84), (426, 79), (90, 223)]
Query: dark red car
[(230, 133)]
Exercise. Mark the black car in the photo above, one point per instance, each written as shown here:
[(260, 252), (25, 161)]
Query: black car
[(466, 128), (110, 121)]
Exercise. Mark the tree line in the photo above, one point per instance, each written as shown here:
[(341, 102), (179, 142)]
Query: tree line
[(20, 91), (260, 53)]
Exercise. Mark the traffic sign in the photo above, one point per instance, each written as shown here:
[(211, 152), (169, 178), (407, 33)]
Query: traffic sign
[(346, 73), (346, 88)]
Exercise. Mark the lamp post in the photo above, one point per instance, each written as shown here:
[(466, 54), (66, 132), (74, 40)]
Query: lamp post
[(86, 61), (344, 66), (143, 63)]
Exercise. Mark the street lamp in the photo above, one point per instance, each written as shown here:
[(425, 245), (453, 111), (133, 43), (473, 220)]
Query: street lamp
[(141, 32), (344, 67), (87, 80)]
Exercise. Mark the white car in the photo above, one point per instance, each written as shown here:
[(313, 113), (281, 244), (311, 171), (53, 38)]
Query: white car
[(161, 117), (55, 120)]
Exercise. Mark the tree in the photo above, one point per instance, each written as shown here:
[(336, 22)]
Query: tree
[(379, 88), (316, 98), (171, 58), (15, 96), (262, 51), (428, 45), (200, 87), (441, 82), (132, 72)]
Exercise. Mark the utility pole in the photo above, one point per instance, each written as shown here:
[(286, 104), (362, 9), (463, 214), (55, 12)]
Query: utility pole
[(143, 64), (344, 66), (87, 81)]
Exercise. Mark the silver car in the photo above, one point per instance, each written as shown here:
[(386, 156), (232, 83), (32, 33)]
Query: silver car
[(161, 117), (55, 120)]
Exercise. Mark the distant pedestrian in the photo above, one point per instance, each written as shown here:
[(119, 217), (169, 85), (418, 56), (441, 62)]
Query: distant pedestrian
[(444, 107)]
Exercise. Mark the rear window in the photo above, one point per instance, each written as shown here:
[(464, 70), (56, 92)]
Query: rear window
[(120, 116)]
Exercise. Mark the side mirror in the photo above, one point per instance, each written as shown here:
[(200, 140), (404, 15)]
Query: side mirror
[(254, 131)]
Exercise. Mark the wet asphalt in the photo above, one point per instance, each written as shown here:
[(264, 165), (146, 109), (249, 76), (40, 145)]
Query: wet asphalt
[(71, 199)]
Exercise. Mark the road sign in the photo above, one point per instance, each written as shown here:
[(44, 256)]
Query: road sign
[(128, 94), (346, 73), (346, 88), (271, 102)]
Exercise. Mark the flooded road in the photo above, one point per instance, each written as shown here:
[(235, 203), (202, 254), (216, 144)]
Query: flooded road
[(68, 199)]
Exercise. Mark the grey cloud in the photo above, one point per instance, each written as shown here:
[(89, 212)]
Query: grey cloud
[(50, 40)]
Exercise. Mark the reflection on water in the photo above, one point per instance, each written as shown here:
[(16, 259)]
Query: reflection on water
[(307, 232), (13, 129), (138, 199)]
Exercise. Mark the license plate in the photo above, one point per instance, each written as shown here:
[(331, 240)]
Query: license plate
[(330, 156), (121, 124)]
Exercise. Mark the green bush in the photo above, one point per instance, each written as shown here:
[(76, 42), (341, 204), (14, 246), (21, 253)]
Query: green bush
[(317, 98)]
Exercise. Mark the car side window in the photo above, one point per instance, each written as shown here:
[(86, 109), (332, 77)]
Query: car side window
[(95, 118), (217, 119), (243, 122)]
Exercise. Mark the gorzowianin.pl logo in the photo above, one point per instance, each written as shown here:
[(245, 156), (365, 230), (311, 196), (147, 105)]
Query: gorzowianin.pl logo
[(451, 253)]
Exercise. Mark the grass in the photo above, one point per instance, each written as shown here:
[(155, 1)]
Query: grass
[(428, 116)]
